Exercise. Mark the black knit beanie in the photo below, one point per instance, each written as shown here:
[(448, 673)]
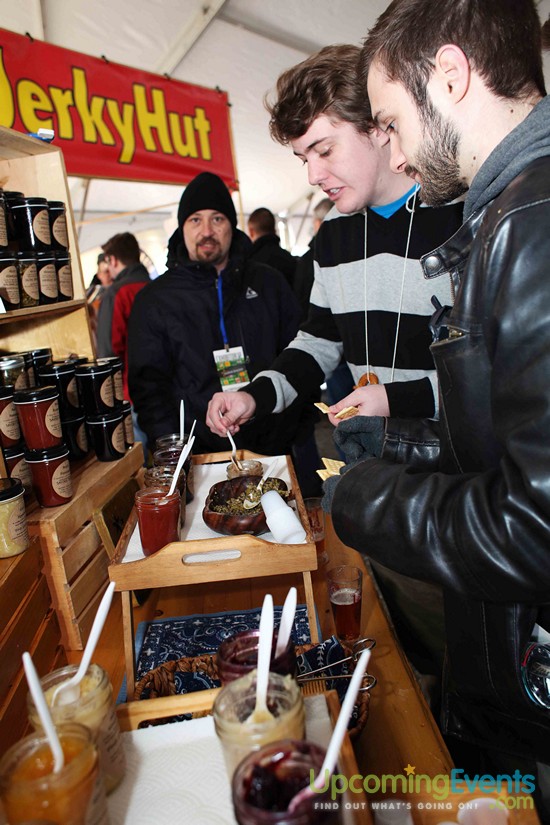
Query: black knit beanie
[(206, 191)]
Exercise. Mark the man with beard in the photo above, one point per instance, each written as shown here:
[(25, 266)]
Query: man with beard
[(467, 504), (211, 306)]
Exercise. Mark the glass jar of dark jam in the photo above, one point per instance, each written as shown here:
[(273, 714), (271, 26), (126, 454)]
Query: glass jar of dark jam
[(95, 385), (62, 375), (13, 372), (12, 198), (9, 280), (170, 455), (58, 225), (10, 431), (75, 436), (41, 356), (64, 275), (17, 467), (32, 224), (38, 412), (238, 655), (107, 435), (48, 291), (116, 371), (3, 222), (29, 366), (51, 475), (28, 279), (129, 435)]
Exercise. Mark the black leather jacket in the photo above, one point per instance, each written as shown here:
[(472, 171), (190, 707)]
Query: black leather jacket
[(468, 507)]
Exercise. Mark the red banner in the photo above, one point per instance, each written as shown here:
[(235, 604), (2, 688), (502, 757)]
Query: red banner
[(112, 121)]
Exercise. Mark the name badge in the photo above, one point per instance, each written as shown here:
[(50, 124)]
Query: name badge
[(231, 367)]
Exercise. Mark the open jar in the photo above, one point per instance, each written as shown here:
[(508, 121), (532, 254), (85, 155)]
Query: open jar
[(235, 704), (249, 467), (169, 455), (238, 655), (162, 477), (158, 517)]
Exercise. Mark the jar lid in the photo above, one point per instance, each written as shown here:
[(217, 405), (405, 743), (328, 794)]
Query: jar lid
[(47, 454), (45, 255), (77, 359), (67, 421), (11, 193), (14, 452), (93, 368), (6, 255), (7, 361), (126, 407), (56, 368), (56, 204), (28, 396), (7, 391), (26, 256), (35, 201), (10, 488), (112, 360), (41, 351), (105, 418), (61, 254)]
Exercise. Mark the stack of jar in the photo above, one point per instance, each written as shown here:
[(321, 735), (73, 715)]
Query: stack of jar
[(108, 416), (35, 264)]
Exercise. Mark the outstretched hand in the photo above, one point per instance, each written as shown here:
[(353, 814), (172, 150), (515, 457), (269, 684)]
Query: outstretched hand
[(370, 400), (229, 411)]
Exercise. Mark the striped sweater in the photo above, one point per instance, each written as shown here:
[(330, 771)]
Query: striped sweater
[(335, 326)]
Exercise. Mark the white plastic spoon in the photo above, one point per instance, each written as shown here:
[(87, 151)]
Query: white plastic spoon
[(181, 461), (44, 713), (69, 691), (337, 736), (261, 712), (182, 419), (192, 430), (249, 503), (287, 620)]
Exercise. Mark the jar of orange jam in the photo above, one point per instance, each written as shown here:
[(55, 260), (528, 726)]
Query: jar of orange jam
[(30, 790)]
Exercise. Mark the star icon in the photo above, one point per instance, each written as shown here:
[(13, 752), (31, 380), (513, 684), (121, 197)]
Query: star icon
[(410, 769)]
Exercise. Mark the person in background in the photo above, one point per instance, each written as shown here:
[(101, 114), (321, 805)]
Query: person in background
[(303, 276), (466, 504), (96, 290), (214, 318), (129, 276), (266, 244), (367, 278)]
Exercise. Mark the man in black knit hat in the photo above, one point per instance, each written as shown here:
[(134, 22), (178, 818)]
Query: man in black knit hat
[(212, 321)]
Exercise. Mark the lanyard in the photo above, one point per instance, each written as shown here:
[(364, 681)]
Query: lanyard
[(220, 307)]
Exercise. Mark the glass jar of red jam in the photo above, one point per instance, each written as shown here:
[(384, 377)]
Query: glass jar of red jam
[(38, 411), (158, 517), (51, 475), (62, 375), (10, 431), (95, 385), (107, 435), (162, 477), (238, 655), (17, 467)]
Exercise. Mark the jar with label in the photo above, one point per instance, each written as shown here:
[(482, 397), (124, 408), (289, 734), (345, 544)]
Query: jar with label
[(29, 366), (38, 411), (41, 356), (11, 198), (48, 291), (3, 222), (64, 275), (62, 375), (32, 224), (17, 467), (95, 386), (28, 279), (94, 708), (234, 705), (10, 431), (14, 535), (107, 435), (30, 790), (128, 424), (13, 372), (116, 371), (158, 516), (51, 475), (75, 437), (58, 225), (9, 280)]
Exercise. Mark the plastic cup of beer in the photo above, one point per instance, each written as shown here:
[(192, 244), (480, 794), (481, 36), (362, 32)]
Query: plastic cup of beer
[(316, 517), (345, 590)]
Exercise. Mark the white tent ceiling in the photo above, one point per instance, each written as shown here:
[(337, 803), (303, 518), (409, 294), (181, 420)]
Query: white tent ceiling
[(240, 46)]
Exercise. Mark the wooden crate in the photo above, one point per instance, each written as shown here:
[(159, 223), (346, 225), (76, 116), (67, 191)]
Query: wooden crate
[(75, 557), (27, 622)]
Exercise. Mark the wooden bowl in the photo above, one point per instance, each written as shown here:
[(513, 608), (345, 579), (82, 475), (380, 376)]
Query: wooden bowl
[(234, 524)]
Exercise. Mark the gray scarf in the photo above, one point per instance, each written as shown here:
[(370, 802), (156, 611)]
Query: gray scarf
[(527, 142)]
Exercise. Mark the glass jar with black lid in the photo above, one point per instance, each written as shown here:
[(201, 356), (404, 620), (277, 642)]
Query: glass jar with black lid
[(64, 275), (62, 374), (58, 225), (95, 385), (28, 279), (12, 198), (9, 280), (48, 291), (32, 224), (3, 222)]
